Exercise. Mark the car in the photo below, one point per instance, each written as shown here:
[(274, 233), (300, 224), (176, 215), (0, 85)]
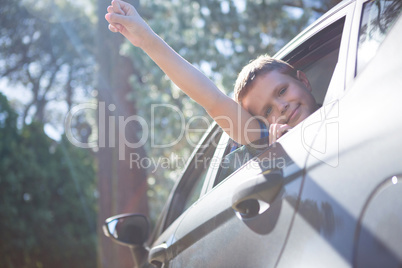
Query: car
[(326, 194)]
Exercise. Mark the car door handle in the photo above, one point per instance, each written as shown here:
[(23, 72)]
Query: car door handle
[(157, 255), (255, 195)]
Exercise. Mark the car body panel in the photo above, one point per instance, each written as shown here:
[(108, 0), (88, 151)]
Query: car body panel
[(339, 194), (379, 233)]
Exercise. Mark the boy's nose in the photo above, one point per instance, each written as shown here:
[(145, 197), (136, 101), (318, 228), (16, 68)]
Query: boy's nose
[(283, 107)]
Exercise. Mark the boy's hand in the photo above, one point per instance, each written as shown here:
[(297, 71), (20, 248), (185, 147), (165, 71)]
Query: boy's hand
[(124, 18), (276, 131), (115, 8)]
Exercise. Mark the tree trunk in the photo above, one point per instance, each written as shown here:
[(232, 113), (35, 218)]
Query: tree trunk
[(122, 188)]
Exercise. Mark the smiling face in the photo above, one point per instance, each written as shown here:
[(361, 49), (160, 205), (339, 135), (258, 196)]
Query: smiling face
[(280, 98)]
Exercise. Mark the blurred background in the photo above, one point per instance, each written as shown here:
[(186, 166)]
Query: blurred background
[(67, 89)]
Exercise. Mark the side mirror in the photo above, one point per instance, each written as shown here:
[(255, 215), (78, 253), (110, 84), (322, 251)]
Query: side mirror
[(127, 229)]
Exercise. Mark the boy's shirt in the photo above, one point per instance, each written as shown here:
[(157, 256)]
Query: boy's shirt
[(264, 134)]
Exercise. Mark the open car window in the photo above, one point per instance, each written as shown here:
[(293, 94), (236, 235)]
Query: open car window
[(317, 57)]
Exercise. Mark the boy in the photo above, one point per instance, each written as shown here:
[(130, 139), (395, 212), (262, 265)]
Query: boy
[(267, 91)]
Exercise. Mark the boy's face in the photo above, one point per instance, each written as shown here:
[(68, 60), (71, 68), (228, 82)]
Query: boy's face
[(280, 98)]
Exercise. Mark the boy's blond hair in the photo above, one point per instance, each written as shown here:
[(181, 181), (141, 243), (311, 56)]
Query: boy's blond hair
[(261, 65)]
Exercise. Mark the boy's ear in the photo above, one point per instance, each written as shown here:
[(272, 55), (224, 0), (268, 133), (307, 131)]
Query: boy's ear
[(303, 78)]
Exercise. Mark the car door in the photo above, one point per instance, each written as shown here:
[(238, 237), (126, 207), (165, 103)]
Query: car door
[(349, 208), (243, 221)]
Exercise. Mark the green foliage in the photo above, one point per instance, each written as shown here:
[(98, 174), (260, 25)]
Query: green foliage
[(47, 48), (47, 198)]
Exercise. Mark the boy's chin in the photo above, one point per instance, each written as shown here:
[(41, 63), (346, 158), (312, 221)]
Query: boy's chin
[(297, 121)]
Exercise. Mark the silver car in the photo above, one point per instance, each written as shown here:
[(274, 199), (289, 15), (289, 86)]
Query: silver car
[(327, 194)]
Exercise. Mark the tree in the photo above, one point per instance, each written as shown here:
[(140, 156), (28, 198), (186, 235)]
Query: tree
[(48, 198), (46, 47), (122, 184)]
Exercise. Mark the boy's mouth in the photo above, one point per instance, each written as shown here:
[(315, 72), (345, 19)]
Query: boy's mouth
[(293, 115)]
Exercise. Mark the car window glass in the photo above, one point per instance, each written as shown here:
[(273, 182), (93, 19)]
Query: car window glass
[(376, 21), (191, 184), (195, 191), (237, 158)]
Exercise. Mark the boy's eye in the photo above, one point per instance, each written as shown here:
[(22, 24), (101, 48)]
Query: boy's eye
[(282, 91), (269, 110)]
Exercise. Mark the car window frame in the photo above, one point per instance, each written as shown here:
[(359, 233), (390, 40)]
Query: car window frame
[(161, 225), (344, 12), (170, 216), (223, 149), (337, 84)]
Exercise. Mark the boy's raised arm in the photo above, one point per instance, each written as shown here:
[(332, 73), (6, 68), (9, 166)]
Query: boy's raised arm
[(231, 117)]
